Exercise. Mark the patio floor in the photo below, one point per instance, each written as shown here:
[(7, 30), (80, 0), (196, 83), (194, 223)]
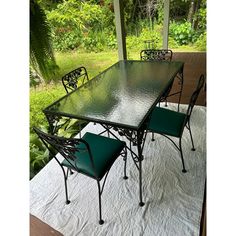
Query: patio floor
[(173, 200), (194, 66)]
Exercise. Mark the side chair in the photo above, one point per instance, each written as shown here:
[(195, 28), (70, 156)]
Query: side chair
[(171, 123), (70, 82), (88, 156), (162, 55), (71, 79), (156, 55)]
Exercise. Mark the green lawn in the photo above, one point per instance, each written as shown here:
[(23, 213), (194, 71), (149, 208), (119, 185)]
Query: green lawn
[(95, 62)]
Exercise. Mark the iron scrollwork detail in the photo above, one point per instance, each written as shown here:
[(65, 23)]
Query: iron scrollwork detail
[(70, 80), (156, 55), (53, 121)]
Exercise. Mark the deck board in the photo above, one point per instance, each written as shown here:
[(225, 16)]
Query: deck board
[(39, 228), (195, 65)]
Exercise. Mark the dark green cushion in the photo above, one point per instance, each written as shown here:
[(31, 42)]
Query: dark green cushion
[(167, 122), (104, 152)]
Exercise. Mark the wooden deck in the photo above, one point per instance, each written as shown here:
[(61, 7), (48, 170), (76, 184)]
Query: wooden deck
[(195, 65), (39, 228)]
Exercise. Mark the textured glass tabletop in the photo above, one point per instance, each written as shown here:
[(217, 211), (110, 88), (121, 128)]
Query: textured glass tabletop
[(123, 95)]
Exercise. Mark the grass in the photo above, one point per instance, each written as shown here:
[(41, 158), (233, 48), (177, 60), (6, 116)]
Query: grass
[(96, 62)]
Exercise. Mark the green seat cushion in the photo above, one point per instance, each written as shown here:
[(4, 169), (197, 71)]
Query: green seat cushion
[(164, 121), (104, 152)]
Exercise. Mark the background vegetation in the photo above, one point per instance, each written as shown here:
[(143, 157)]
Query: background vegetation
[(83, 33)]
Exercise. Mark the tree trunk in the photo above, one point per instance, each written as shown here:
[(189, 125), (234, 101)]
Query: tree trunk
[(134, 10), (195, 21), (191, 11)]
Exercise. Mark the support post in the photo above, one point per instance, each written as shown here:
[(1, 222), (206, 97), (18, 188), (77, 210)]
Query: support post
[(120, 29), (166, 23)]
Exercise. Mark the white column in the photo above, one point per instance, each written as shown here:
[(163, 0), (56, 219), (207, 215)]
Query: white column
[(120, 29), (166, 23)]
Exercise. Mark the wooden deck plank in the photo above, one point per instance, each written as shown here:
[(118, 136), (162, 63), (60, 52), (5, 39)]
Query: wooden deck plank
[(195, 65), (39, 228)]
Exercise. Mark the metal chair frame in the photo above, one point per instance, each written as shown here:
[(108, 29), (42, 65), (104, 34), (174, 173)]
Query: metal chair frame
[(67, 148), (70, 80), (162, 55), (186, 122), (156, 55)]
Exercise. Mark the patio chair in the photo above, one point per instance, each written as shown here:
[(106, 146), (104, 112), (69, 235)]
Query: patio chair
[(88, 156), (70, 80), (156, 55), (70, 83), (172, 123), (162, 55)]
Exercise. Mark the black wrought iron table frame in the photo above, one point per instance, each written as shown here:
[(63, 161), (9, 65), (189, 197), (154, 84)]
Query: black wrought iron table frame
[(135, 133)]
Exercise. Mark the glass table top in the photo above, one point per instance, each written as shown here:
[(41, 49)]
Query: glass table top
[(123, 95)]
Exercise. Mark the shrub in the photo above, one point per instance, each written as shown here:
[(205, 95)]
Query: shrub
[(201, 42), (182, 33), (67, 40), (172, 43), (137, 43), (39, 155), (112, 41)]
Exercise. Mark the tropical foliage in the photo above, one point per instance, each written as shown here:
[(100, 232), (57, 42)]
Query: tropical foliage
[(89, 25), (42, 60)]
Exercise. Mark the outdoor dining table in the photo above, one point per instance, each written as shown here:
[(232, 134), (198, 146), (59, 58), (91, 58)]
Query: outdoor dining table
[(121, 98)]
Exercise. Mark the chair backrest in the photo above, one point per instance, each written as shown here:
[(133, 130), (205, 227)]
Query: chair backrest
[(195, 94), (149, 44), (69, 148), (156, 55), (70, 80)]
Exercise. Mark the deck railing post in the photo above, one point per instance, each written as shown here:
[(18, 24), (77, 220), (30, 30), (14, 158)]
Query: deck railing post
[(166, 23), (120, 29)]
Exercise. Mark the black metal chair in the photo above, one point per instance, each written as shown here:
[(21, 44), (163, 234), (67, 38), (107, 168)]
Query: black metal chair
[(88, 156), (71, 79), (156, 55), (172, 123), (162, 55), (70, 82)]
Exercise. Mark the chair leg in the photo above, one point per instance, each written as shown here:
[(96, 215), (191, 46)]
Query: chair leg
[(166, 103), (180, 94), (153, 137), (193, 148), (100, 206), (141, 203), (125, 165), (65, 180), (181, 155)]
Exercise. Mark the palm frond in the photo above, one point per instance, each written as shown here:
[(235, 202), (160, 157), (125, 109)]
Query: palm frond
[(41, 52)]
